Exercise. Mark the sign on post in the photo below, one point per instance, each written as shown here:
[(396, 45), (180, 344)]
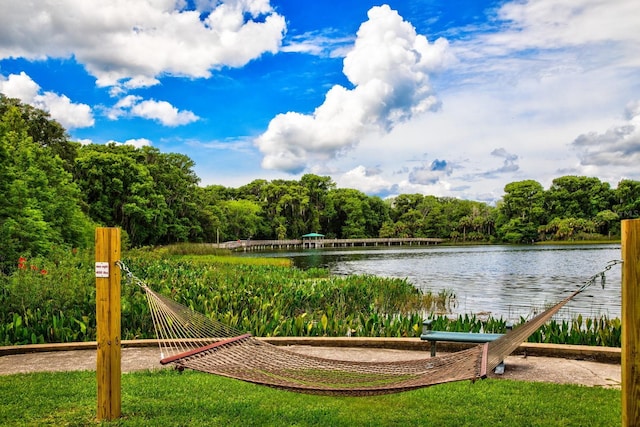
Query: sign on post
[(102, 270)]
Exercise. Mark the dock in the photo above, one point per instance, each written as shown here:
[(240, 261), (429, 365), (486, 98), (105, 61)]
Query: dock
[(261, 245)]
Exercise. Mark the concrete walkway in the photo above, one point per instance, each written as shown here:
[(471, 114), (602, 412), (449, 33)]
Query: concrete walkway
[(565, 370)]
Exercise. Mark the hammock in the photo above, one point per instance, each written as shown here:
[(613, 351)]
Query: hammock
[(191, 340)]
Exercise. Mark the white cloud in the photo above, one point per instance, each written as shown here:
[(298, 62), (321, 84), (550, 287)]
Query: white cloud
[(365, 180), (530, 81), (132, 43), (70, 115), (618, 146), (389, 67), (509, 164), (319, 44), (161, 111), (239, 145), (139, 142), (19, 86), (122, 107), (430, 174), (552, 24), (551, 38)]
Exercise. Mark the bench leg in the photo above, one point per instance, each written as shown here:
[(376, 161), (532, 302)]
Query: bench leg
[(499, 369), (433, 349)]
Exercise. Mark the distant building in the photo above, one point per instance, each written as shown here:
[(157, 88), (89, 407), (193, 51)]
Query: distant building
[(313, 240)]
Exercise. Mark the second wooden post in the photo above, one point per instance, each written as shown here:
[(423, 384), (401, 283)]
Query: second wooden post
[(631, 322)]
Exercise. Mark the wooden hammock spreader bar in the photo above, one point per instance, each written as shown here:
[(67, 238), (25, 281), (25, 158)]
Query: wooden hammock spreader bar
[(485, 360), (195, 351)]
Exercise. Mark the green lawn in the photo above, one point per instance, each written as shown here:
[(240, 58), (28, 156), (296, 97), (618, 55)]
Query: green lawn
[(169, 398)]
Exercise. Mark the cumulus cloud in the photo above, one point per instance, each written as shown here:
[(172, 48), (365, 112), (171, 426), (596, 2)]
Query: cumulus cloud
[(366, 180), (430, 174), (389, 68), (617, 146), (160, 111), (163, 112), (132, 43), (60, 107)]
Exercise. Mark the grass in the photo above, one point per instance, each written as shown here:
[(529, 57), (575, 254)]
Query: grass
[(169, 398), (234, 260)]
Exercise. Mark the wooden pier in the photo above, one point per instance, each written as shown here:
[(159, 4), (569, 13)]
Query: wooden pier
[(261, 245)]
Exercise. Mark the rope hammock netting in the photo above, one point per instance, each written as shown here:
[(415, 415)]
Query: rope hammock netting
[(192, 340)]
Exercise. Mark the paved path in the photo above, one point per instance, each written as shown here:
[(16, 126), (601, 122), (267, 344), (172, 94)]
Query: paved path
[(532, 368)]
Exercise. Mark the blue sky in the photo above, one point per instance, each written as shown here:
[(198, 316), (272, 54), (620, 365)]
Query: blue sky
[(450, 98)]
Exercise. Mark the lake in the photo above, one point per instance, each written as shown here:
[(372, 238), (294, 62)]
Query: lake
[(503, 281)]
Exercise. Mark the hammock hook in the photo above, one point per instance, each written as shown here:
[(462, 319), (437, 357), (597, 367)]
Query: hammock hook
[(130, 276), (592, 280)]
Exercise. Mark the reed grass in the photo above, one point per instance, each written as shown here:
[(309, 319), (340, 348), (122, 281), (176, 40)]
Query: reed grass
[(254, 295)]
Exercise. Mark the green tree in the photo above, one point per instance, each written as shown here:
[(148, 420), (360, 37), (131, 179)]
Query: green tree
[(349, 207), (376, 214), (39, 203), (175, 181), (318, 188), (516, 231), (627, 199), (404, 203), (521, 212), (43, 130), (568, 228), (212, 214), (243, 218), (284, 206), (607, 223), (119, 191), (524, 200), (578, 197), (388, 229), (435, 222)]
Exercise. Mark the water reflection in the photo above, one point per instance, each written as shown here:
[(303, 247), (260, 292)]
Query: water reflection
[(504, 281)]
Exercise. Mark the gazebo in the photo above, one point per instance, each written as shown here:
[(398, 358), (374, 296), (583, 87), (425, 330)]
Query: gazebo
[(313, 240)]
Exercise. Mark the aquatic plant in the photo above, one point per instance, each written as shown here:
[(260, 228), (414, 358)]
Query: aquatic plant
[(249, 294)]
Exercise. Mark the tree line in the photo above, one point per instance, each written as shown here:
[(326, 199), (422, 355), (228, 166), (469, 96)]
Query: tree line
[(54, 191)]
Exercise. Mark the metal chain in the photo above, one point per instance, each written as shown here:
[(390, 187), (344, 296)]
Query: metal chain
[(130, 276), (601, 275)]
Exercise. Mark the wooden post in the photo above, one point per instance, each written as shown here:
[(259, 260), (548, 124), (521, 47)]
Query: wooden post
[(108, 322), (631, 322)]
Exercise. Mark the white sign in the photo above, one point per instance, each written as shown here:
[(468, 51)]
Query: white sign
[(102, 269)]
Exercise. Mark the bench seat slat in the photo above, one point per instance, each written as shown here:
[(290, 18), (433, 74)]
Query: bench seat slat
[(470, 337)]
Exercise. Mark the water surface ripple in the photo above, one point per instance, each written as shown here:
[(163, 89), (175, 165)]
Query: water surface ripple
[(504, 281)]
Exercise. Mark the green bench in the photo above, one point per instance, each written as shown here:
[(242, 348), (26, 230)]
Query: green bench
[(460, 337)]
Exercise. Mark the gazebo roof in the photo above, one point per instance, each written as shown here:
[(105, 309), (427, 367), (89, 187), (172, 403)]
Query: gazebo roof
[(313, 235)]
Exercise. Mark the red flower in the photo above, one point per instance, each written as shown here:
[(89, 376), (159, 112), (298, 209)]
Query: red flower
[(34, 267), (21, 263), (43, 271)]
